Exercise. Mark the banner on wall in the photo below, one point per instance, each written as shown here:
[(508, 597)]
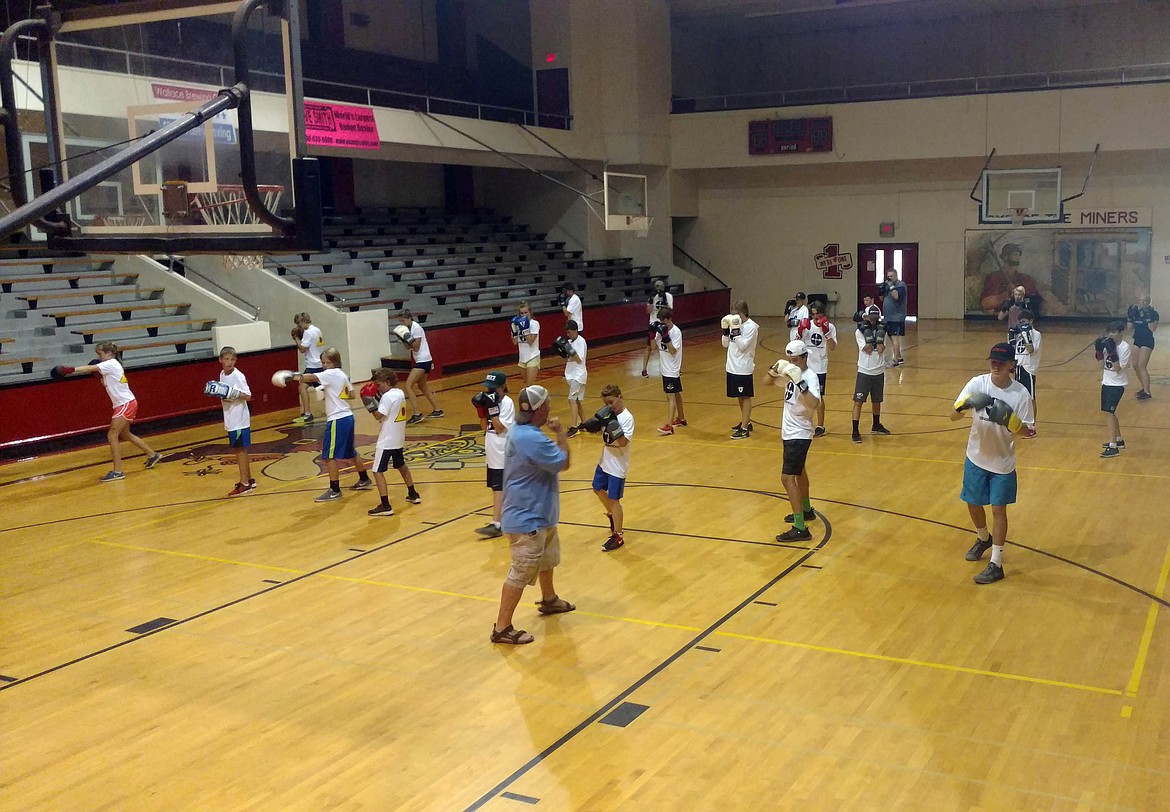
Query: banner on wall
[(340, 125), (1096, 263), (832, 262)]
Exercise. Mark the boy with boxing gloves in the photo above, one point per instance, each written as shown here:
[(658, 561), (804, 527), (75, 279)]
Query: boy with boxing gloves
[(616, 424), (802, 390), (387, 403)]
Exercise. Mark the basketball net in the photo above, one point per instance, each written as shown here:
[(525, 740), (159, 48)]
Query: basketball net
[(1018, 215), (228, 206)]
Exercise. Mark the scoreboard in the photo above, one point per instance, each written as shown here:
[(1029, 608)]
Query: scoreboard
[(781, 135)]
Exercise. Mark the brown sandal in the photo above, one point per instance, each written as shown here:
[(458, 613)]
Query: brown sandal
[(556, 606), (511, 636)]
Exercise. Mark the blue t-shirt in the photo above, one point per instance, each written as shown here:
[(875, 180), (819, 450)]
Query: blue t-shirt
[(895, 310), (531, 489)]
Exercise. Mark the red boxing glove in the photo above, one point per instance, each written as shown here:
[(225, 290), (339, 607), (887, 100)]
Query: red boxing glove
[(802, 326), (61, 372), (822, 322)]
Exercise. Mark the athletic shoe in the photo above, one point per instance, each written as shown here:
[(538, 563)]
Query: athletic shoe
[(572, 432), (251, 486), (809, 515), (1111, 452), (880, 429), (381, 510), (856, 437), (677, 422), (437, 413), (418, 418), (112, 476), (414, 498), (614, 542), (899, 361), (362, 485), (750, 427), (665, 430), (645, 374), (303, 418), (241, 489), (993, 573), (1028, 433), (1120, 444), (795, 535), (819, 431), (490, 531), (978, 549), (889, 363), (153, 460), (1143, 395), (328, 496), (740, 434)]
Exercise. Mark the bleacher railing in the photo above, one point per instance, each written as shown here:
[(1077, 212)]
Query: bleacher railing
[(928, 88)]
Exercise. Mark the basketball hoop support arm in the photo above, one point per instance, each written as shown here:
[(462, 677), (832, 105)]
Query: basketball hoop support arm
[(1089, 174), (979, 180)]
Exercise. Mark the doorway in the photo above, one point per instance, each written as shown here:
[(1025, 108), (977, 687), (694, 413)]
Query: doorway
[(875, 258)]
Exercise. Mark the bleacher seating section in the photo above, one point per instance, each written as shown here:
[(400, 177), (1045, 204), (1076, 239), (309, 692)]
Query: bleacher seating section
[(52, 309), (447, 268)]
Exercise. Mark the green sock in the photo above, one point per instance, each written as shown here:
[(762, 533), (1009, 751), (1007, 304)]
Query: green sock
[(798, 520), (807, 504)]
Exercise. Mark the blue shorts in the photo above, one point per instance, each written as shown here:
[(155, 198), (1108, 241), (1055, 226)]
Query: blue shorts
[(337, 443), (240, 438), (982, 487), (614, 486)]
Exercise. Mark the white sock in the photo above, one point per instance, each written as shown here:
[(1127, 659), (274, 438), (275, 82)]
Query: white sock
[(982, 533), (997, 554), (496, 524)]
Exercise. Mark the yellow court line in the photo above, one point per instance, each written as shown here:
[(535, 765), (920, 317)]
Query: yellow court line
[(924, 663), (195, 556), (1139, 665)]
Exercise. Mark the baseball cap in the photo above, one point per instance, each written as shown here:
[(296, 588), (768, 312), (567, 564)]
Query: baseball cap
[(795, 348), (495, 379), (871, 310), (799, 295), (1002, 352), (533, 397)]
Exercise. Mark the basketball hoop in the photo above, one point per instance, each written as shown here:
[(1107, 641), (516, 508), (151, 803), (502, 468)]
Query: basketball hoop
[(227, 206), (639, 225), (1018, 215), (120, 220)]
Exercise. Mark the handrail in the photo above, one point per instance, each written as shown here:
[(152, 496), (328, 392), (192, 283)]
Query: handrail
[(700, 265), (1155, 72), (309, 282), (174, 262)]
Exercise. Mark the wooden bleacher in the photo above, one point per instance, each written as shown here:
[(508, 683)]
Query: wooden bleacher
[(152, 327)]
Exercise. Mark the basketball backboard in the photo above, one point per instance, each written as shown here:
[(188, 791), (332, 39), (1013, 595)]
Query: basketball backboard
[(1021, 196), (123, 72), (626, 207)]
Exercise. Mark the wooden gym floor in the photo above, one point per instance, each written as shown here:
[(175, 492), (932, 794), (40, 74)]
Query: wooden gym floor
[(165, 647)]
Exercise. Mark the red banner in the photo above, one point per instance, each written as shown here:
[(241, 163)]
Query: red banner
[(339, 125)]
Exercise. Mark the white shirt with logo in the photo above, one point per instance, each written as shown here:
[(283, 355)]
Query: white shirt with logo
[(659, 301), (338, 390), (798, 420), (575, 369), (671, 364), (494, 442), (114, 380), (530, 351), (615, 460), (868, 363), (236, 415), (795, 316), (1030, 361), (1117, 374), (817, 340), (423, 353), (991, 446), (741, 350), (576, 312), (314, 344), (392, 407)]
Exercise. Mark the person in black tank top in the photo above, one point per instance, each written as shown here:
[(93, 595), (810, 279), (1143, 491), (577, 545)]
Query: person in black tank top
[(1144, 320)]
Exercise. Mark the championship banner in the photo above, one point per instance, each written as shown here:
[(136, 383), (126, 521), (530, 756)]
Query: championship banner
[(1096, 264)]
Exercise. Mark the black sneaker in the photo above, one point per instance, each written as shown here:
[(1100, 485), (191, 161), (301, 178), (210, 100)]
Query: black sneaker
[(1110, 451), (614, 542), (750, 428), (490, 531), (362, 485), (795, 535), (978, 549), (381, 510), (415, 420), (856, 437), (819, 431), (740, 433), (1120, 444), (809, 515), (437, 413), (880, 429), (414, 498), (993, 573), (572, 432), (1143, 395)]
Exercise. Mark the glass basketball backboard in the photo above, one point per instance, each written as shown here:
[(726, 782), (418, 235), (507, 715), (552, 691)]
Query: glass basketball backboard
[(1021, 196), (625, 202)]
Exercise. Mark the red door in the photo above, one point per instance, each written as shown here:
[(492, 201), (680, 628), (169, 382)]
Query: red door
[(873, 260)]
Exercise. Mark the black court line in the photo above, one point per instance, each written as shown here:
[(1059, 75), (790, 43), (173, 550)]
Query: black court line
[(76, 660), (270, 581), (356, 550), (524, 799), (708, 648), (4, 678), (151, 625), (645, 678), (811, 567), (624, 714), (764, 603)]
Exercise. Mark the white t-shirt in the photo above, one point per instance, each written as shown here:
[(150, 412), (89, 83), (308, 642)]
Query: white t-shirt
[(817, 340), (423, 353), (530, 351), (795, 316), (338, 390), (991, 446), (868, 363), (1030, 361), (392, 406), (741, 350), (114, 380), (576, 312), (615, 460), (659, 301), (236, 415), (494, 442), (1113, 374), (671, 365), (797, 422), (575, 370), (314, 344)]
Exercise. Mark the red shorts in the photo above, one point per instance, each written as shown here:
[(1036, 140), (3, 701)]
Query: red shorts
[(129, 411)]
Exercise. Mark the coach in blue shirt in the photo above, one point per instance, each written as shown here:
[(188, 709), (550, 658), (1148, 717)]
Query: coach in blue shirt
[(893, 293), (532, 507)]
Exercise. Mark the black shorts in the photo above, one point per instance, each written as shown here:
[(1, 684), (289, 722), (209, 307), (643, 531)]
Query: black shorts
[(1027, 379), (387, 458), (740, 386), (652, 336), (672, 386), (1146, 340), (495, 479), (313, 371), (822, 377), (1110, 397), (795, 454), (872, 387), (895, 328), (425, 366)]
